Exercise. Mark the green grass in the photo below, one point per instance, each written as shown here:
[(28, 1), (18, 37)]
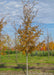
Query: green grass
[(10, 61), (31, 59), (22, 59), (9, 69)]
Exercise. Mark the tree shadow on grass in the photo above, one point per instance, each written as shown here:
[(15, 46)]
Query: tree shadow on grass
[(21, 66), (2, 65)]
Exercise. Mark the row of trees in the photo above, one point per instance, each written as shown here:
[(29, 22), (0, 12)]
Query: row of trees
[(44, 47), (40, 47)]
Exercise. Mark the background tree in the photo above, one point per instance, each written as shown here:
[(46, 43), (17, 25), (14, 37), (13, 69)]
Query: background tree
[(16, 38), (48, 41), (8, 43), (2, 23), (39, 46)]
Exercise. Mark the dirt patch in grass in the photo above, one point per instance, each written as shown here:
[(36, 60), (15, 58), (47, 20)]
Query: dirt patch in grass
[(22, 73), (20, 69), (22, 66)]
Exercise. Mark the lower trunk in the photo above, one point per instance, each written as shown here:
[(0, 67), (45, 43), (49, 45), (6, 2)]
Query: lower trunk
[(43, 53), (48, 53), (16, 55), (8, 54), (0, 56), (51, 53), (26, 63)]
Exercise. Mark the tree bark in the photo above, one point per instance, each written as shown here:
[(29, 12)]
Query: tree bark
[(0, 55), (16, 55), (48, 50), (26, 63), (15, 48)]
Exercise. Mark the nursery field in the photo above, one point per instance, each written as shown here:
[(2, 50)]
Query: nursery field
[(32, 58), (26, 37), (37, 63)]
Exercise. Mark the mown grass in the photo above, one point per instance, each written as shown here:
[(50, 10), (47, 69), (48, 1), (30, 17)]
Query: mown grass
[(22, 59), (11, 61)]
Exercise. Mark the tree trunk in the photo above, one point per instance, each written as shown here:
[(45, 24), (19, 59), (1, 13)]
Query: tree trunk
[(0, 55), (8, 53), (43, 52), (0, 47), (26, 63), (16, 55), (15, 47), (52, 53), (48, 52)]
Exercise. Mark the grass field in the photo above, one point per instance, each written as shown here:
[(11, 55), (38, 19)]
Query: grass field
[(36, 63), (31, 59)]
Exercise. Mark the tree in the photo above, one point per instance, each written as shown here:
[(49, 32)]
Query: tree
[(2, 23), (48, 40), (27, 33), (51, 46), (16, 39), (39, 46), (8, 44)]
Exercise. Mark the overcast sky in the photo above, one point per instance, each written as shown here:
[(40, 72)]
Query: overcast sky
[(45, 14)]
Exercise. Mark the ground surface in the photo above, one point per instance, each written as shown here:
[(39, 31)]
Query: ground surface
[(37, 64)]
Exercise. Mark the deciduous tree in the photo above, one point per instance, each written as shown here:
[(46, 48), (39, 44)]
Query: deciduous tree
[(2, 23), (28, 32)]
